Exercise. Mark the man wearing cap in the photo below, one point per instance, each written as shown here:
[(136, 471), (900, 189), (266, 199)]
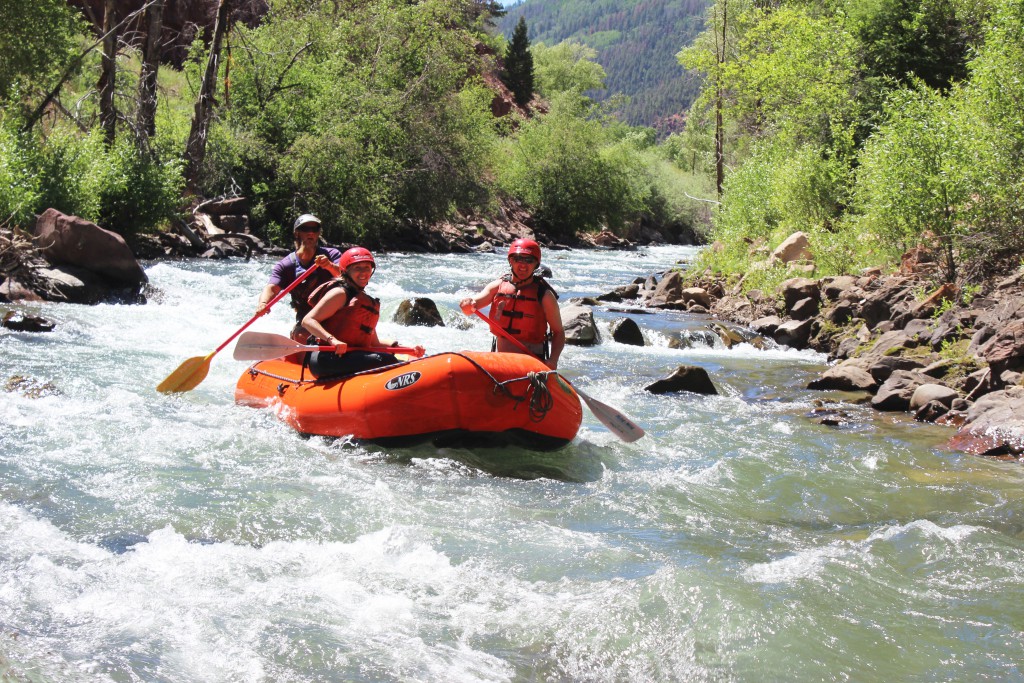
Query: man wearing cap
[(308, 251)]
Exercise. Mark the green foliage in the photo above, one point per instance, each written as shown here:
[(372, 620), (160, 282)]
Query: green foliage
[(910, 181), (361, 117), (519, 65), (873, 127), (795, 79), (19, 182), (36, 39), (118, 188), (780, 190), (989, 116), (572, 173), (675, 196), (566, 66), (906, 39)]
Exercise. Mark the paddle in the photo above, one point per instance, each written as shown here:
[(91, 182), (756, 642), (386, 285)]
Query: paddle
[(189, 374), (264, 346), (620, 425)]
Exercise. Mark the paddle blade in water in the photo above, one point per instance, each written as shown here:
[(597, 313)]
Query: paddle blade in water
[(617, 422), (188, 375)]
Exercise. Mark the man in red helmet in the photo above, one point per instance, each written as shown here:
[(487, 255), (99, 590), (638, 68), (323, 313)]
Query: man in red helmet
[(344, 315), (308, 251), (524, 305)]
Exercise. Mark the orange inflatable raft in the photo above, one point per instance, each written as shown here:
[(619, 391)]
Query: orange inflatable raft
[(452, 399)]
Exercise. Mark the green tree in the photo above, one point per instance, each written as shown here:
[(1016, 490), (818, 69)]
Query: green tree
[(910, 181), (572, 173), (36, 39), (519, 65), (364, 117), (566, 66), (905, 39)]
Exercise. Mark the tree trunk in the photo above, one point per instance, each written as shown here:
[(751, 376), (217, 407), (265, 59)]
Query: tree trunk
[(719, 128), (108, 76), (195, 148), (147, 76)]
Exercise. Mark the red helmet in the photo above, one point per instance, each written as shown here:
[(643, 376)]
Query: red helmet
[(525, 246), (356, 255)]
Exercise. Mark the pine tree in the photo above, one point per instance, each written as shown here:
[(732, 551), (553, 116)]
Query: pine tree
[(519, 65)]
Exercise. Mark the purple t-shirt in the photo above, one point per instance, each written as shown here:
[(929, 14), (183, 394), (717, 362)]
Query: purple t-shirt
[(288, 270)]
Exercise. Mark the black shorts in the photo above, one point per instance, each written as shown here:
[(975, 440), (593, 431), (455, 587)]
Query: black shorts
[(330, 364)]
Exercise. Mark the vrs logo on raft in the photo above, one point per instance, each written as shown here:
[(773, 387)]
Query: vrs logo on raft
[(402, 381)]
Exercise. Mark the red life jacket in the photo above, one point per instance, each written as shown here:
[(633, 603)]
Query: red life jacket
[(354, 322), (518, 309)]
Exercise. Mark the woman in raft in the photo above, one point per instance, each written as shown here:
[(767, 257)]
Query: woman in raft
[(343, 316), (524, 305)]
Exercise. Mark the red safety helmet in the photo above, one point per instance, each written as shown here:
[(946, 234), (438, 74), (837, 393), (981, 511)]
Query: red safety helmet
[(524, 246), (356, 255)]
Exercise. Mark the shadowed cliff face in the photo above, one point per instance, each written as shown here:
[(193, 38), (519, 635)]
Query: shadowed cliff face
[(183, 20)]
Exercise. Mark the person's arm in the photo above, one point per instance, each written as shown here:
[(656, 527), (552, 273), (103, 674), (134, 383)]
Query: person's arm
[(266, 296), (282, 275), (328, 306), (377, 341), (554, 318), (327, 264), (480, 300)]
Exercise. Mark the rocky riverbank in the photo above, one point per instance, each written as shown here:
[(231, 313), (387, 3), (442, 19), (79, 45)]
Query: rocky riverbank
[(69, 259), (948, 355)]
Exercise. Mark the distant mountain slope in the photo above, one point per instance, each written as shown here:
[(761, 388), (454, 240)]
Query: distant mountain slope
[(636, 43)]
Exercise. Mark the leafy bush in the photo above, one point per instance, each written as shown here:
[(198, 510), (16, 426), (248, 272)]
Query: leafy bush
[(19, 181), (362, 117), (118, 188)]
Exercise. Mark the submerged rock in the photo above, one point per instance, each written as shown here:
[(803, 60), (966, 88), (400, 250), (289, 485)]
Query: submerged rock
[(419, 311)]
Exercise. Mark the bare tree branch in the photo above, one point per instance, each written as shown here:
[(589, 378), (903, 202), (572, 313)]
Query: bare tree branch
[(72, 66)]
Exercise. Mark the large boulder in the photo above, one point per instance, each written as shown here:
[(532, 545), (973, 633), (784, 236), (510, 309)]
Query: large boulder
[(1006, 348), (796, 247), (20, 321), (833, 287), (419, 311), (994, 425), (799, 288), (697, 295), (626, 331), (684, 378), (74, 241), (670, 289), (794, 333), (895, 393), (580, 328), (926, 393), (847, 376)]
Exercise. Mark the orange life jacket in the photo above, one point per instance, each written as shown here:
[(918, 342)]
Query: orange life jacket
[(354, 322), (518, 309)]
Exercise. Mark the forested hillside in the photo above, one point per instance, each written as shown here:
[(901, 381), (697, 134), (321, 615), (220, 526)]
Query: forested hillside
[(636, 43)]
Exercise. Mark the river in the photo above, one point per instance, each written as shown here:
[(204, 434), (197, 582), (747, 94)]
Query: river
[(151, 537)]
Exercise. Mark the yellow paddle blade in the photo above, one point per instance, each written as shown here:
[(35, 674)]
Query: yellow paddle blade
[(188, 375)]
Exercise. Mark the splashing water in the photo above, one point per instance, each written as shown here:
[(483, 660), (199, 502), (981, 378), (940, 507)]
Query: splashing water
[(184, 538)]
